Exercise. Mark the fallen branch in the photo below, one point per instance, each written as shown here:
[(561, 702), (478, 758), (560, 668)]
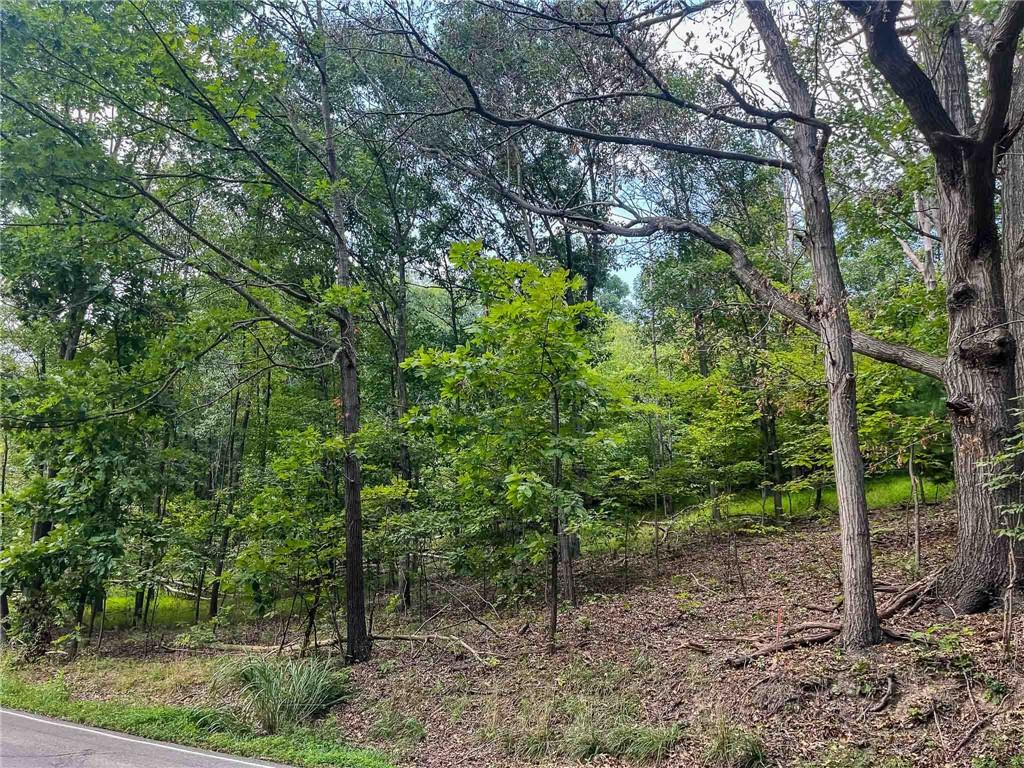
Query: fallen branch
[(434, 638), (971, 733), (798, 628), (907, 595), (783, 645)]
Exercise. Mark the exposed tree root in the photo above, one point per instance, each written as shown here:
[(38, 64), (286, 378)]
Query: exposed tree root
[(815, 632), (978, 726), (890, 689), (783, 645)]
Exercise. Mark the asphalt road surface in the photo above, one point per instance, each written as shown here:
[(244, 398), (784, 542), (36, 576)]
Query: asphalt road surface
[(30, 741)]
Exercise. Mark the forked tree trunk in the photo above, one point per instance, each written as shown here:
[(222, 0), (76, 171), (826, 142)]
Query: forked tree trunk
[(860, 616), (980, 360), (979, 376)]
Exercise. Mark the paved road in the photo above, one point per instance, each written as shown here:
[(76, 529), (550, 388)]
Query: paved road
[(30, 741)]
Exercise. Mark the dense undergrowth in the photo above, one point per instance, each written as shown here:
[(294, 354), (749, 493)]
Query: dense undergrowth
[(746, 512)]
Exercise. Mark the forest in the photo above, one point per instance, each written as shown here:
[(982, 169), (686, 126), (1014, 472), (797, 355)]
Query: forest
[(511, 382)]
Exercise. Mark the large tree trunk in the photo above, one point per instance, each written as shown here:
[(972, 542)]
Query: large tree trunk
[(979, 376), (1013, 223), (860, 616), (357, 641), (979, 367)]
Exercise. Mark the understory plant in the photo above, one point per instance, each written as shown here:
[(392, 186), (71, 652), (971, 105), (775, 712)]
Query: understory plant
[(277, 693)]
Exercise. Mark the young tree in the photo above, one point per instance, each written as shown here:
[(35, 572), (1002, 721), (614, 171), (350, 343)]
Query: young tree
[(505, 394)]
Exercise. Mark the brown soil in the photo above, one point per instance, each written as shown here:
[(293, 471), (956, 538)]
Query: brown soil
[(651, 646), (662, 639)]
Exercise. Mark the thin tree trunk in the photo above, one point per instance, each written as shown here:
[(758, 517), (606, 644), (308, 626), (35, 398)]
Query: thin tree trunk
[(915, 490), (199, 593), (235, 460), (565, 555), (357, 641), (860, 615), (700, 341), (402, 407), (3, 469), (5, 613)]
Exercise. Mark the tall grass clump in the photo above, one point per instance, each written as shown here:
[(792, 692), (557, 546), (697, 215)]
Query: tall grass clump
[(277, 693), (581, 727), (732, 746)]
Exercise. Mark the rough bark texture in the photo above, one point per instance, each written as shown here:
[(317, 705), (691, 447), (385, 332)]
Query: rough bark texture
[(979, 367), (1013, 221), (860, 615), (979, 379)]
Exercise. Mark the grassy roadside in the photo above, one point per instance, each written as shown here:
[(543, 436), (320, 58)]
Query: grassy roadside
[(190, 726)]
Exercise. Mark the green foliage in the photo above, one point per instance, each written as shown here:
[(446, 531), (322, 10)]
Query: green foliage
[(517, 401), (277, 693), (944, 649), (204, 728)]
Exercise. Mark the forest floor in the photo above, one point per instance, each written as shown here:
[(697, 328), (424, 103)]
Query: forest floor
[(640, 669)]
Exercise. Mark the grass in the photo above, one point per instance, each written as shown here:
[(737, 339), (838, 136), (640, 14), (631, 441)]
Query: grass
[(399, 731), (179, 611), (192, 726), (882, 492), (578, 725), (732, 746), (170, 610), (742, 511), (277, 693), (164, 681)]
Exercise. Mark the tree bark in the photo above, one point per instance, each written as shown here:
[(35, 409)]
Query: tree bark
[(979, 366), (357, 641), (5, 612), (1013, 222), (861, 626), (234, 474), (402, 407)]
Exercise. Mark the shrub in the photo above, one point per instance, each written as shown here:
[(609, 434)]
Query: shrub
[(276, 693)]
